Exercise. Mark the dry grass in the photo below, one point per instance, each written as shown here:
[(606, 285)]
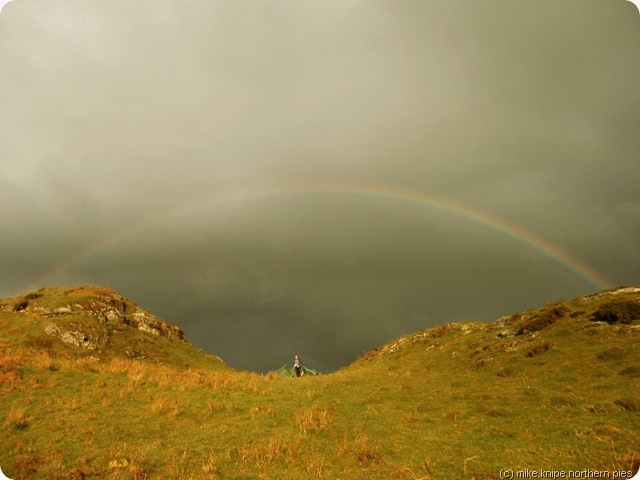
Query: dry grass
[(17, 419), (171, 407), (312, 419), (424, 409), (265, 451)]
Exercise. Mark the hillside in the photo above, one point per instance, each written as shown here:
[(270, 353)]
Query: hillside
[(92, 386), (94, 322)]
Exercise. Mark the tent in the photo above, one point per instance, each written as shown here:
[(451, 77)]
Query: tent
[(286, 372)]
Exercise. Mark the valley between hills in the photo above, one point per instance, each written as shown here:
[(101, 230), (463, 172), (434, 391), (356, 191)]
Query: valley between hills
[(93, 386)]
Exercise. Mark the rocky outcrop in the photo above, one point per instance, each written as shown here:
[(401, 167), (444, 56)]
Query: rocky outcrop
[(87, 317), (97, 323), (617, 308), (430, 334), (74, 338), (148, 323)]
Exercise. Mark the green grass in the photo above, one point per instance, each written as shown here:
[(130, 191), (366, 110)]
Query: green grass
[(458, 401)]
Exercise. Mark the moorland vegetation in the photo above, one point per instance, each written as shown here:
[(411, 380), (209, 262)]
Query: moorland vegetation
[(92, 386)]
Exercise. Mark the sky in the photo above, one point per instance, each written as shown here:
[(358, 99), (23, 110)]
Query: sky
[(319, 178)]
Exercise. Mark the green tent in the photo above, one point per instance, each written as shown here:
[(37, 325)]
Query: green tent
[(286, 372)]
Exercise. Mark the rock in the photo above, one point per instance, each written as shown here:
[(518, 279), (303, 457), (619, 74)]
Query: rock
[(75, 338), (148, 323), (512, 332), (52, 330)]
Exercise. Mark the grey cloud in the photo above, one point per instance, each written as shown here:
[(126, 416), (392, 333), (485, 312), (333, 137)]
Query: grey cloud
[(117, 117)]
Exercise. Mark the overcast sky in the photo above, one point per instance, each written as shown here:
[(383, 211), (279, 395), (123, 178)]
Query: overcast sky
[(320, 177)]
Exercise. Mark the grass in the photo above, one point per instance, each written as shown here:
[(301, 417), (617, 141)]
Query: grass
[(459, 401)]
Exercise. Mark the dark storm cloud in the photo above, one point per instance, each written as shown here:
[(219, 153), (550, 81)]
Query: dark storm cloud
[(118, 116)]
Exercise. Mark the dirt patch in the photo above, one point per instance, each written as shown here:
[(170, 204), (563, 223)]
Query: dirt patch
[(613, 353), (632, 371), (545, 319), (628, 404), (620, 311), (538, 350)]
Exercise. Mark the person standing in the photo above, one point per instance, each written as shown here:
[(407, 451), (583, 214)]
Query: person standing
[(297, 365)]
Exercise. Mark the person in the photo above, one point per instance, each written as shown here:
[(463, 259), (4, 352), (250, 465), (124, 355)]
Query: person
[(297, 365)]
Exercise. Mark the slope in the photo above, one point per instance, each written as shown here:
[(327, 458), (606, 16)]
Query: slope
[(94, 322), (553, 388)]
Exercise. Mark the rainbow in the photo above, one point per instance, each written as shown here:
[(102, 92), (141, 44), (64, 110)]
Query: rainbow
[(378, 192)]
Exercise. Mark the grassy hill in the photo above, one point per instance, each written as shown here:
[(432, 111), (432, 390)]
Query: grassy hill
[(92, 386)]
